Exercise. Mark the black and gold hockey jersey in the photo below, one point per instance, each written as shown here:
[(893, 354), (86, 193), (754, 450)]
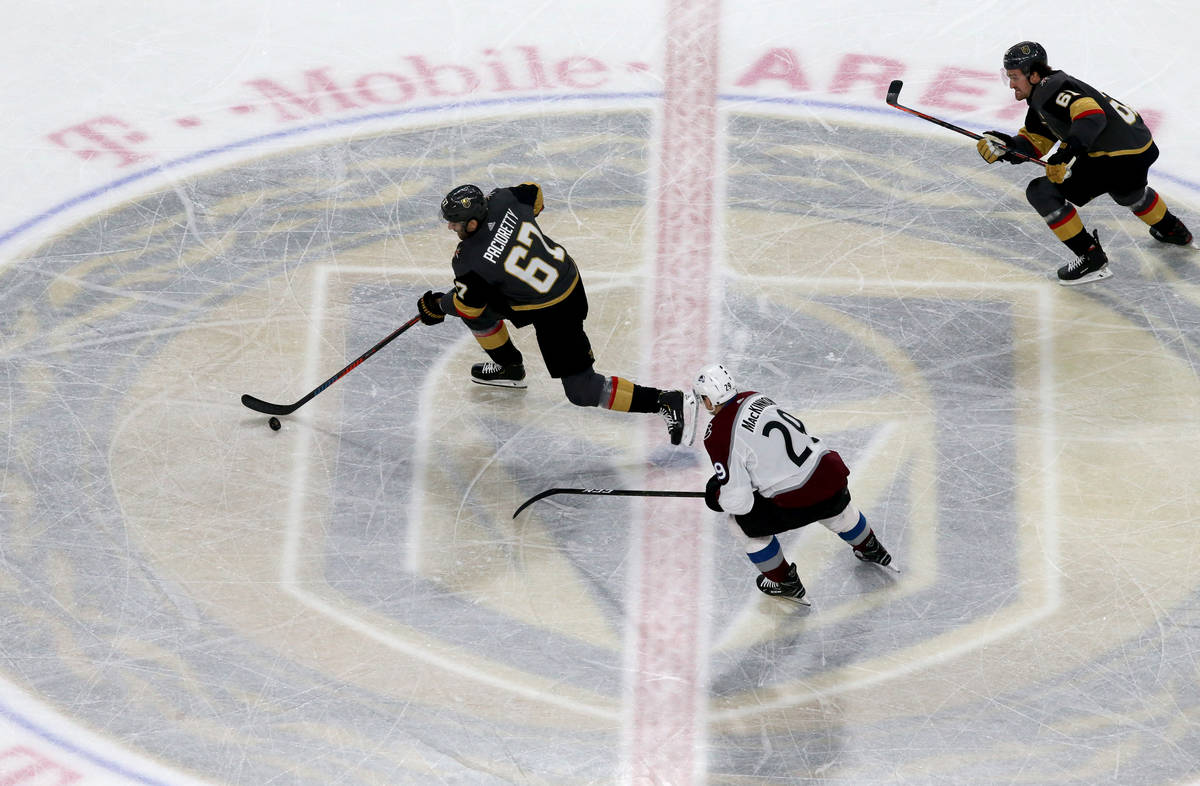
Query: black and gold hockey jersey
[(1062, 108), (509, 265)]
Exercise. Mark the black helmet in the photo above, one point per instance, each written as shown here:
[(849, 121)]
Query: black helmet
[(1027, 57), (464, 203)]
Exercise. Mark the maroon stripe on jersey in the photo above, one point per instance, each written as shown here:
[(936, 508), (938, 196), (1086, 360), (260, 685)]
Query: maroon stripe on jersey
[(827, 479), (720, 432)]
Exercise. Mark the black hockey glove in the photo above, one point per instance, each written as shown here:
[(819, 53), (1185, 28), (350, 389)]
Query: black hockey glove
[(990, 147), (712, 491), (429, 307)]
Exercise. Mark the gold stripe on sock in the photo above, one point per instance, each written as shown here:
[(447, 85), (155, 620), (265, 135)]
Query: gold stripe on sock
[(622, 395), (1068, 228), (493, 339)]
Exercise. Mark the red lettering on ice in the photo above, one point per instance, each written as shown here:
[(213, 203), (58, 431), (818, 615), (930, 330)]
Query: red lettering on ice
[(868, 69), (952, 83), (317, 85), (21, 765), (462, 80), (102, 136), (777, 65)]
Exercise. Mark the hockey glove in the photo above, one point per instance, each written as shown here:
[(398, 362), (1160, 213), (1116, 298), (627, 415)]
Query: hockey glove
[(712, 492), (993, 147), (1058, 166), (429, 308)]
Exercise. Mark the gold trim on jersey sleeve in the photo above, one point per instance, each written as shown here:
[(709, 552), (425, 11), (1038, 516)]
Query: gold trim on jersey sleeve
[(1040, 143), (470, 312), (1086, 105), (538, 204)]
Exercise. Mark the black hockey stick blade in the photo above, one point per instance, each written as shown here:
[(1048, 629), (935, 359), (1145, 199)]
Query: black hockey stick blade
[(266, 407), (607, 493), (893, 99), (893, 93)]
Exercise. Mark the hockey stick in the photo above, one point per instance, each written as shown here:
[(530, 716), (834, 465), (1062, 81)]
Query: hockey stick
[(609, 493), (893, 95), (258, 405)]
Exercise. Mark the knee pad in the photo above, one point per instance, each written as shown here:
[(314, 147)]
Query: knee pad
[(1044, 196), (847, 522), (583, 388)]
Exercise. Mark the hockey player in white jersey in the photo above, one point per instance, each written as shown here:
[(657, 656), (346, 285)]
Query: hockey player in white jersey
[(772, 476)]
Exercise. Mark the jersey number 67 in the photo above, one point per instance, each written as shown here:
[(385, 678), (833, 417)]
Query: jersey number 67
[(536, 272)]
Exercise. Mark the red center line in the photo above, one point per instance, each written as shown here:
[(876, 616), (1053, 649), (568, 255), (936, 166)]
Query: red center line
[(669, 692)]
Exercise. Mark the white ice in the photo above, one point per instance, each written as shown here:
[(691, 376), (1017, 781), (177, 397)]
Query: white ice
[(205, 201)]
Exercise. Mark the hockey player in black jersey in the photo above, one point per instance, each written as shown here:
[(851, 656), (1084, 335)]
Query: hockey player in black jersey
[(507, 270), (1103, 148)]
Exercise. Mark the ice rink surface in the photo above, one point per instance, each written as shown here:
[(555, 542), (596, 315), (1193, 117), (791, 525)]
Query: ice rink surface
[(209, 201)]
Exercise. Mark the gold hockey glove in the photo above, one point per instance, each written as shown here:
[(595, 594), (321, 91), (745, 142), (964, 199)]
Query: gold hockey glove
[(993, 146), (1058, 166)]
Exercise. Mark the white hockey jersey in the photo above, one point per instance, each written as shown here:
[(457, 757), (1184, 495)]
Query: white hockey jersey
[(756, 446)]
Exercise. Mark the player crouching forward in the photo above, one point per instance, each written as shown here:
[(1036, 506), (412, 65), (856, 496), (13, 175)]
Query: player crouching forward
[(1103, 148), (771, 477), (507, 270)]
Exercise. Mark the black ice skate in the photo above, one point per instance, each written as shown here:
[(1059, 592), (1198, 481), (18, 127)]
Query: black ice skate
[(1175, 233), (670, 406), (1091, 265), (871, 550), (501, 376), (792, 589)]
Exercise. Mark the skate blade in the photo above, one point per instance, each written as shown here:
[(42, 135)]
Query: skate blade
[(689, 423), (1098, 275), (892, 566), (502, 383), (799, 601)]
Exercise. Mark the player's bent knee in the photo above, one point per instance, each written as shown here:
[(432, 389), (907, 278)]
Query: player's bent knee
[(1043, 195), (583, 389), (848, 521), (1133, 199)]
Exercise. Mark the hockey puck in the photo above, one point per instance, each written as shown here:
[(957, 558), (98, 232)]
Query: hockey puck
[(274, 424)]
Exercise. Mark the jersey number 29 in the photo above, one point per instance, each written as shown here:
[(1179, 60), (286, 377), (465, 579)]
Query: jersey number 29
[(775, 425)]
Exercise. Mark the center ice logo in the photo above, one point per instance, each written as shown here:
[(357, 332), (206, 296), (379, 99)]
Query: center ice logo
[(908, 322)]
